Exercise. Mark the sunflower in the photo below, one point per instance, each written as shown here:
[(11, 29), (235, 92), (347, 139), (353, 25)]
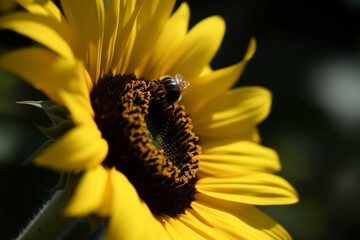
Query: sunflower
[(154, 167)]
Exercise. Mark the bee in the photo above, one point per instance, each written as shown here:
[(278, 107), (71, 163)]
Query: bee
[(173, 86)]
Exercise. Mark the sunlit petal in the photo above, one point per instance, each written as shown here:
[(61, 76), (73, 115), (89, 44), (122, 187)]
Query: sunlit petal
[(61, 80), (40, 7), (178, 230), (150, 22), (127, 206), (111, 27), (234, 158), (214, 83), (173, 33), (233, 113), (79, 149), (90, 27), (196, 50), (126, 34), (199, 225), (58, 37), (89, 193), (252, 188), (238, 221)]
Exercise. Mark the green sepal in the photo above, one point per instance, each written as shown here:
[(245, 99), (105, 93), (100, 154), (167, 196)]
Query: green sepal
[(55, 112), (33, 156), (62, 182), (56, 131), (60, 123), (58, 115)]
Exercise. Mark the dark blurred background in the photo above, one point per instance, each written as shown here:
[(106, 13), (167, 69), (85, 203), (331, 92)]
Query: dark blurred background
[(308, 55)]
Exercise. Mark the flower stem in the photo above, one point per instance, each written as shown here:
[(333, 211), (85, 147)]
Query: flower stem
[(50, 222)]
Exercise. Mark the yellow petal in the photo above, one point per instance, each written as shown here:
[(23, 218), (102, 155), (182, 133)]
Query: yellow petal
[(41, 8), (111, 27), (178, 230), (199, 225), (130, 217), (236, 157), (232, 113), (190, 56), (80, 148), (173, 33), (238, 221), (206, 71), (126, 34), (214, 83), (173, 232), (87, 17), (252, 188), (58, 37), (63, 81), (150, 22), (89, 193)]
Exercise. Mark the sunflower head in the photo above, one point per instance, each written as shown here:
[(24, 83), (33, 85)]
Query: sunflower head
[(149, 141), (155, 166)]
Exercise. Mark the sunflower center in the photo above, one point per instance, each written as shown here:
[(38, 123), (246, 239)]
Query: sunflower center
[(150, 141)]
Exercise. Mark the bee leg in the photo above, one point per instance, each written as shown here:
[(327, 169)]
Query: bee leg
[(173, 108)]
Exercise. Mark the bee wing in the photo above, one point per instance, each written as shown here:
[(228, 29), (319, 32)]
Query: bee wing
[(182, 82)]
